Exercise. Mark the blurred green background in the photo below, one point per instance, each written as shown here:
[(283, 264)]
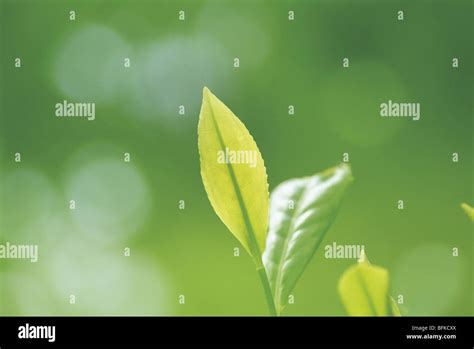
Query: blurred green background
[(190, 252)]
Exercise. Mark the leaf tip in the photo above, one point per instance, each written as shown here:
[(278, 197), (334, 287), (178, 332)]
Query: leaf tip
[(468, 210), (206, 101), (342, 170), (347, 170), (363, 257), (206, 92)]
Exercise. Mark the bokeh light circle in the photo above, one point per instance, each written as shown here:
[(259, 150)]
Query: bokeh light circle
[(112, 197)]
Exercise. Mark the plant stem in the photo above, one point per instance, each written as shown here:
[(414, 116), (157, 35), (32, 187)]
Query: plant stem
[(268, 291)]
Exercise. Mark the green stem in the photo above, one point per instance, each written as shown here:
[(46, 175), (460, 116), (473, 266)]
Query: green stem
[(267, 290)]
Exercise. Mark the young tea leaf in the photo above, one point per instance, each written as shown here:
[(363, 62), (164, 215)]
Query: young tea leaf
[(233, 174), (301, 212), (469, 211), (364, 288)]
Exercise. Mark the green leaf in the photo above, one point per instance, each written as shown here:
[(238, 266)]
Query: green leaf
[(469, 210), (364, 291), (233, 174), (301, 212)]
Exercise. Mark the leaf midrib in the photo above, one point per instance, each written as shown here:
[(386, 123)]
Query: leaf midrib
[(365, 290), (279, 275), (250, 235)]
